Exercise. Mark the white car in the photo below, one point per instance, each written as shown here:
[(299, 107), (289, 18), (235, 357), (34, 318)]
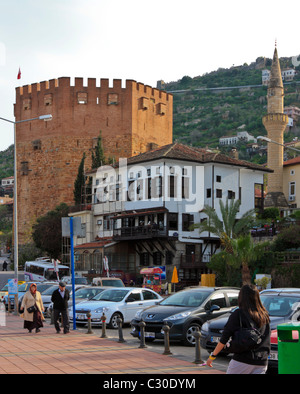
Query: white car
[(121, 302)]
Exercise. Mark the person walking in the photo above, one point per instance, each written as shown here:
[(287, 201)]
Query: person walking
[(60, 298), (254, 361), (32, 309), (4, 266)]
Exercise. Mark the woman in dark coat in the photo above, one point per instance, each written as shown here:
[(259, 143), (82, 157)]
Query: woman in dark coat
[(254, 361)]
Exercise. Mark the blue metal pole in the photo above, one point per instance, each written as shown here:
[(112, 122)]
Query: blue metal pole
[(72, 271)]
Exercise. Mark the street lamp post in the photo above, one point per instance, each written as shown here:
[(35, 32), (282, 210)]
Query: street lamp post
[(260, 137), (16, 250)]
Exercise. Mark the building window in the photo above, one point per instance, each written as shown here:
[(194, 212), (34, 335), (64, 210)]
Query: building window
[(144, 259), (37, 145), (82, 98), (173, 221), (231, 195), (208, 193), (106, 223), (112, 99), (219, 193), (218, 178), (24, 168), (187, 222)]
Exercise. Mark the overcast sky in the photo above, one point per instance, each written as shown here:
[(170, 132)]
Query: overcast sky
[(135, 39)]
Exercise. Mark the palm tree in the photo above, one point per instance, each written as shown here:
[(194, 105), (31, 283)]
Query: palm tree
[(229, 227)]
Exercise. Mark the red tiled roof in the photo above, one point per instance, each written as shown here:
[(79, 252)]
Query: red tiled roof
[(290, 162), (94, 245), (183, 152)]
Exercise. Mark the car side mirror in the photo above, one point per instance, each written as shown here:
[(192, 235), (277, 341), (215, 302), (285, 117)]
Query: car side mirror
[(214, 308)]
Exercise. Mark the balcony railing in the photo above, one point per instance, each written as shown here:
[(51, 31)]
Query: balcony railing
[(139, 232), (194, 260)]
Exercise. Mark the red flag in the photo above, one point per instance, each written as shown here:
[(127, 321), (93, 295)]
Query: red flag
[(19, 73)]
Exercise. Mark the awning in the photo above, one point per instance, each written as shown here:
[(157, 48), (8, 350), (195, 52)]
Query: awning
[(151, 271)]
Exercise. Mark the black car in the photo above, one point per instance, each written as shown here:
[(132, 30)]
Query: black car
[(283, 305), (185, 312)]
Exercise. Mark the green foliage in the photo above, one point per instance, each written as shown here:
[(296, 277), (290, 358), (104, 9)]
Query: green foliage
[(270, 213), (7, 162), (47, 233), (79, 182), (288, 238), (98, 158)]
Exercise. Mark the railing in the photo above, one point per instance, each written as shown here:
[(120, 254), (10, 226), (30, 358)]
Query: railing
[(140, 232), (194, 260)]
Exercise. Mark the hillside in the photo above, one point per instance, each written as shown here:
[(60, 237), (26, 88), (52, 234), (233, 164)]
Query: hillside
[(7, 162), (202, 116)]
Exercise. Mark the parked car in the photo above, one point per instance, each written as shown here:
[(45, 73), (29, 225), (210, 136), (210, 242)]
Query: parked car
[(111, 282), (185, 312), (81, 295), (283, 305), (116, 302), (4, 290), (22, 289), (79, 280)]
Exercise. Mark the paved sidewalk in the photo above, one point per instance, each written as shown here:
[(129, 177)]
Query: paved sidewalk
[(80, 353)]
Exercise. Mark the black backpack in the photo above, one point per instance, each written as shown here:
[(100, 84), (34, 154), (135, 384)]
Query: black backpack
[(245, 338)]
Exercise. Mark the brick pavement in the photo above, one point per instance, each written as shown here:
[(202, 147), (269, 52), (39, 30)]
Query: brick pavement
[(80, 353)]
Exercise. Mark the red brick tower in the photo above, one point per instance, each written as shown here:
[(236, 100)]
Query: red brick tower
[(132, 120)]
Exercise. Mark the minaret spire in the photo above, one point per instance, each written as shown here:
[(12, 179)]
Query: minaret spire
[(275, 123)]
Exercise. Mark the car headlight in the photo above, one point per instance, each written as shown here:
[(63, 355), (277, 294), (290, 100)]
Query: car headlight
[(178, 316), (205, 327), (101, 310)]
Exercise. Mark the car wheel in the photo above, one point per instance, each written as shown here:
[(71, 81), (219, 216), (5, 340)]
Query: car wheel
[(114, 321), (189, 338)]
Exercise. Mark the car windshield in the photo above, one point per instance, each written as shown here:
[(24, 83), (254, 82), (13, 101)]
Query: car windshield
[(50, 290), (24, 287), (187, 298), (87, 293), (42, 287), (112, 282), (111, 295), (280, 305)]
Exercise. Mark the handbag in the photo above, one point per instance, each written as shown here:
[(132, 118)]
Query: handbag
[(245, 339), (31, 309)]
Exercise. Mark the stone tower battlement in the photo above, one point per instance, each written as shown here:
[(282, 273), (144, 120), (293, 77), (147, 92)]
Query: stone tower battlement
[(132, 119)]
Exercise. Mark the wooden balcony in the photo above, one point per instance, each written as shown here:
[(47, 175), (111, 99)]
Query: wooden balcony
[(139, 232), (194, 261)]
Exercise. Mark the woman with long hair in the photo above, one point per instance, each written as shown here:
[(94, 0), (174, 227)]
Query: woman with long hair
[(251, 310), (33, 308)]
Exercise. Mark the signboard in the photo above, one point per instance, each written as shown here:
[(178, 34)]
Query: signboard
[(65, 227), (12, 286)]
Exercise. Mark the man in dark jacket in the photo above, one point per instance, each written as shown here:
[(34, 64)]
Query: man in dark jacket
[(60, 298)]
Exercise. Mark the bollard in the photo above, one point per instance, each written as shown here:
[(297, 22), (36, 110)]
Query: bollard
[(197, 336), (166, 330), (142, 326), (103, 319), (121, 338), (89, 323)]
